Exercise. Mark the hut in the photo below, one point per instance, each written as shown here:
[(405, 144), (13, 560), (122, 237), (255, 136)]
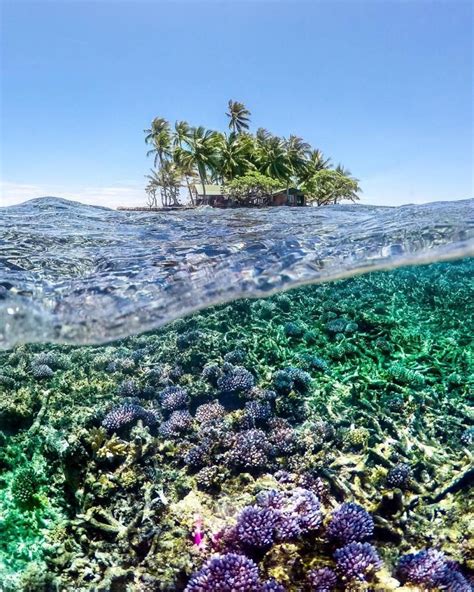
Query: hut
[(213, 195), (210, 195)]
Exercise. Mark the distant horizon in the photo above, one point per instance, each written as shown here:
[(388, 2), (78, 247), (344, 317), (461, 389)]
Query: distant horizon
[(383, 88), (357, 204)]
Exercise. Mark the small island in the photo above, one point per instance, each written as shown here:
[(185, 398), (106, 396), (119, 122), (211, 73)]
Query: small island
[(237, 168)]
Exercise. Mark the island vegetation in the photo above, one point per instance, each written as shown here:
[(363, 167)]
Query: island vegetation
[(248, 167)]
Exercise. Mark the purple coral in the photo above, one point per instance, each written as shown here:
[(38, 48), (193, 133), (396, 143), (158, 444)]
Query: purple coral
[(453, 581), (173, 398), (212, 373), (128, 388), (350, 523), (179, 422), (251, 450), (257, 412), (209, 412), (306, 506), (124, 415), (425, 567), (322, 580), (298, 511), (357, 561), (226, 573), (399, 475), (236, 379), (272, 586), (255, 527)]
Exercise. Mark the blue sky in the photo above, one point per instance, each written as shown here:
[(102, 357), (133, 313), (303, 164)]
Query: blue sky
[(383, 86)]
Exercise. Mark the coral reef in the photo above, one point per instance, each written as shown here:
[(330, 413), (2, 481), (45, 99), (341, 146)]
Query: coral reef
[(319, 440)]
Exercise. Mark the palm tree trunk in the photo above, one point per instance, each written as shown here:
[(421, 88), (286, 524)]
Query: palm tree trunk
[(191, 196)]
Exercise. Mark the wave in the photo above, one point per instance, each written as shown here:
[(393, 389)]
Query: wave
[(79, 274)]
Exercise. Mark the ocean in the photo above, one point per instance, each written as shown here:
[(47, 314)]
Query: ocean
[(237, 400)]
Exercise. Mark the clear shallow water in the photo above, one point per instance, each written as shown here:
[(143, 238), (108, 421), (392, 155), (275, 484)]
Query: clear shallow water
[(72, 273), (354, 391), (126, 466)]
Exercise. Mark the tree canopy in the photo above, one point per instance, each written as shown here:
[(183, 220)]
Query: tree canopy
[(248, 166)]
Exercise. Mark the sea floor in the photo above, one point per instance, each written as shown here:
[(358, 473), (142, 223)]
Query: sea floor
[(125, 467)]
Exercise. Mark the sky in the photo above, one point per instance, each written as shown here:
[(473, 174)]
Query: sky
[(382, 86)]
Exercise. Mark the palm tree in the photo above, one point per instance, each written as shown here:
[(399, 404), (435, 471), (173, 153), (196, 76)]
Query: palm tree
[(234, 157), (297, 151), (272, 159), (347, 173), (199, 152), (239, 116), (315, 162), (182, 131), (159, 136), (168, 180)]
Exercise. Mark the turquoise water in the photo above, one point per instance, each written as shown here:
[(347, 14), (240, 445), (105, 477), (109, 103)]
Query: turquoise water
[(128, 465)]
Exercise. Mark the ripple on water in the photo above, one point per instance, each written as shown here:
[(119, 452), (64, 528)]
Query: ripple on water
[(74, 273)]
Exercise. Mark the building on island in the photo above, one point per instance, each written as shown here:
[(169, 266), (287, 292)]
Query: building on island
[(212, 195)]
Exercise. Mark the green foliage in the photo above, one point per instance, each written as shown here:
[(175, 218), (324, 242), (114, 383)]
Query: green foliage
[(328, 186), (251, 189), (186, 153)]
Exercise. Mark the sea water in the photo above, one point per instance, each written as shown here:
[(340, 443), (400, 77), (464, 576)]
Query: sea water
[(195, 398)]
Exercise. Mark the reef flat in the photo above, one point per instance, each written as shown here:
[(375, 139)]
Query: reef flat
[(316, 440)]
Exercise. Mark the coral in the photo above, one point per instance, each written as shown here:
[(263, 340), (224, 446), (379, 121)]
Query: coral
[(212, 373), (424, 567), (399, 475), (350, 523), (209, 412), (256, 527), (257, 412), (357, 561), (312, 362), (178, 422), (236, 357), (128, 388), (24, 487), (357, 437), (251, 450), (125, 415), (404, 375), (293, 330), (41, 371), (188, 339), (322, 580), (337, 325), (272, 586), (297, 511), (173, 398), (467, 437), (452, 580), (226, 573), (235, 379), (291, 378)]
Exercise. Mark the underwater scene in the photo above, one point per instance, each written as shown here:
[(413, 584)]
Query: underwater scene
[(236, 401), (318, 439)]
